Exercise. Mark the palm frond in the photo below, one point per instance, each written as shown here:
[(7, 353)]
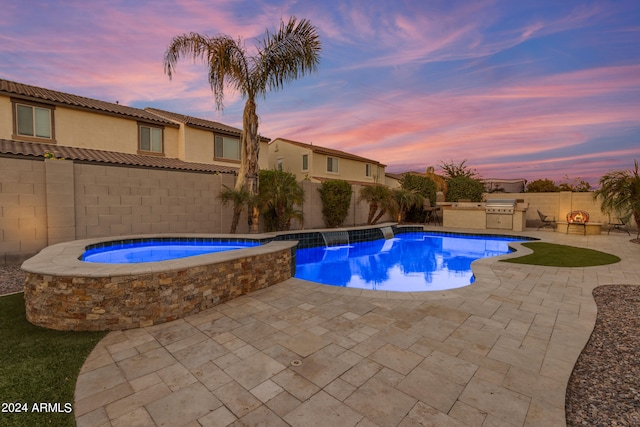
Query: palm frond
[(291, 52), (224, 56), (192, 44), (620, 193)]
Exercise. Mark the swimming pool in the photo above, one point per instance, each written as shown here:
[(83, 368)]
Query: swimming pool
[(410, 262), (153, 250)]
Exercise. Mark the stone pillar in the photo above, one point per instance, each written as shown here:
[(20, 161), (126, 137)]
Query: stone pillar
[(60, 195), (565, 205)]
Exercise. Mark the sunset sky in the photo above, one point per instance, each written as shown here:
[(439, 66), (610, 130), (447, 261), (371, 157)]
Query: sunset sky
[(520, 89)]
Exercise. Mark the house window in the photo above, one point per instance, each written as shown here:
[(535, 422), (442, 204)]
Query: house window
[(151, 139), (332, 165), (279, 164), (305, 162), (227, 148), (34, 121), (368, 170)]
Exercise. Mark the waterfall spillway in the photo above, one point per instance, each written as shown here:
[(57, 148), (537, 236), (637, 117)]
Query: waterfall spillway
[(335, 238), (387, 232)]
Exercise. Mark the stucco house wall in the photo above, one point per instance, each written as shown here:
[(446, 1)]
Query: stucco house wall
[(197, 139), (87, 129), (94, 124), (6, 124), (83, 122), (288, 155), (199, 147)]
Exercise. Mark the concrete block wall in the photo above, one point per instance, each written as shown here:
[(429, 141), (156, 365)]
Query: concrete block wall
[(23, 211), (60, 197), (53, 201), (120, 200), (557, 205)]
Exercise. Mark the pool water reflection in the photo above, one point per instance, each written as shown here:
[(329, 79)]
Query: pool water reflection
[(410, 262)]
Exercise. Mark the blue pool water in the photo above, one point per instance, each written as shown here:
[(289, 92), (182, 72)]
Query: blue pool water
[(410, 262), (159, 250)]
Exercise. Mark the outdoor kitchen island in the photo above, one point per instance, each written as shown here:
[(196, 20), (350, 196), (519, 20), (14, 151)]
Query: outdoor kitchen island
[(494, 214)]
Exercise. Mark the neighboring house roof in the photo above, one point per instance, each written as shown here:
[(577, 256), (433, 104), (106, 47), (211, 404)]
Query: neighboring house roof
[(396, 176), (34, 149), (505, 185), (34, 93), (329, 151), (350, 181), (198, 123)]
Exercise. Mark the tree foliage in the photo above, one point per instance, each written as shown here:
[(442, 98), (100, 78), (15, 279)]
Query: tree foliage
[(464, 187), (452, 170), (336, 199), (279, 199), (620, 193), (424, 186), (576, 185), (542, 186), (282, 57), (441, 183)]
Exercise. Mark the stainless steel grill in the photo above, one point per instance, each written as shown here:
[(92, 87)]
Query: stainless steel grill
[(500, 206), (500, 213)]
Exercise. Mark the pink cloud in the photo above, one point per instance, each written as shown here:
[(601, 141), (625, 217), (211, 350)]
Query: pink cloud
[(397, 116)]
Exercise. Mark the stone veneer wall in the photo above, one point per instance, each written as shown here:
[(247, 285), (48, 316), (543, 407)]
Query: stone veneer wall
[(125, 302)]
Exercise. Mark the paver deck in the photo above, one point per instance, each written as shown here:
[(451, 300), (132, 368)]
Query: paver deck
[(497, 353)]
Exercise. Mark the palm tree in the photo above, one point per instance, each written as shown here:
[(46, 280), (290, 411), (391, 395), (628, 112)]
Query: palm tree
[(279, 195), (240, 198), (380, 201), (620, 193), (404, 200), (291, 52)]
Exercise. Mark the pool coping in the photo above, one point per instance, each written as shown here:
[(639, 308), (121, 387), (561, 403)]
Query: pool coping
[(63, 259)]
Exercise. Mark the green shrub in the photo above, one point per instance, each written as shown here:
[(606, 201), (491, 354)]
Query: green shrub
[(542, 186), (336, 199), (464, 187)]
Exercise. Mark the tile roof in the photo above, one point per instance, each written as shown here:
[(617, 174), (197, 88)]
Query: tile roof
[(329, 151), (397, 176), (198, 123), (34, 149), (34, 93), (350, 181)]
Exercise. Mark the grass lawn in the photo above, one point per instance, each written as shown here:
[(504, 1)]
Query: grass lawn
[(553, 255), (38, 366)]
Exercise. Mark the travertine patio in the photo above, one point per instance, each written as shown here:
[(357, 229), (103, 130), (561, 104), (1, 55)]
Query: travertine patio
[(499, 352)]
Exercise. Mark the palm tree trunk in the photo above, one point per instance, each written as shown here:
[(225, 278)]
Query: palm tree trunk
[(237, 211), (248, 173), (373, 207), (380, 215)]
